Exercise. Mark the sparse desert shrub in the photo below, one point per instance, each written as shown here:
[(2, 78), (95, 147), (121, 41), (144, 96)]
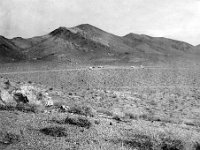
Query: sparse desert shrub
[(131, 116), (153, 103), (22, 107), (9, 138), (7, 84), (192, 123), (61, 106), (80, 121), (70, 94), (146, 117), (197, 146), (28, 108), (58, 104), (7, 107), (142, 142), (114, 96), (169, 143), (156, 118), (117, 118), (54, 131), (126, 53), (81, 110), (143, 116), (50, 89), (106, 112), (97, 122)]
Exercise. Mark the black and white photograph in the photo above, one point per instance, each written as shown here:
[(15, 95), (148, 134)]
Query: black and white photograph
[(99, 74)]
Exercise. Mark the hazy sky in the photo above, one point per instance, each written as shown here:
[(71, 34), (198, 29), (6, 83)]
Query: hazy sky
[(177, 19)]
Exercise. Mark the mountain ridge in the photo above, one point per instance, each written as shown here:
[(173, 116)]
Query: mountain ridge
[(88, 44), (9, 51)]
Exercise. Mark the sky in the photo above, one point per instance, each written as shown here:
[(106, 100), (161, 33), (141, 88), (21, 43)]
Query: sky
[(176, 19)]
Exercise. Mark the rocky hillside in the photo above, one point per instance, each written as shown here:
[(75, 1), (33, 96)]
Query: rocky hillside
[(26, 96), (9, 52), (159, 45)]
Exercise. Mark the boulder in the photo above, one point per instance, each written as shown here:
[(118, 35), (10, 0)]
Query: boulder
[(7, 98), (64, 108), (5, 83), (36, 95), (13, 94), (20, 98)]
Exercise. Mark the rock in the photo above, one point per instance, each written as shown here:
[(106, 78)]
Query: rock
[(12, 94), (19, 97), (46, 99), (4, 83), (36, 95), (118, 112), (7, 98), (30, 93), (48, 102), (64, 108)]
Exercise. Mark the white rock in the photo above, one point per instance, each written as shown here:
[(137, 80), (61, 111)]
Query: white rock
[(7, 98)]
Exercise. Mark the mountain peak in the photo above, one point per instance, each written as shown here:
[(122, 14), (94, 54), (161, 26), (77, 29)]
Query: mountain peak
[(88, 28), (137, 36), (58, 31), (85, 26)]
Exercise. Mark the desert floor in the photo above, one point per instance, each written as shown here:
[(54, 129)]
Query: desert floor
[(107, 109)]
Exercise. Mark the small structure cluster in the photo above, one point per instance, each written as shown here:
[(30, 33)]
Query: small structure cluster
[(93, 67)]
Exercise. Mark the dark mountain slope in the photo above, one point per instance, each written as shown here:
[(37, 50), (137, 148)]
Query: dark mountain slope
[(63, 44), (9, 52), (195, 50), (158, 44), (114, 42), (27, 43), (88, 44)]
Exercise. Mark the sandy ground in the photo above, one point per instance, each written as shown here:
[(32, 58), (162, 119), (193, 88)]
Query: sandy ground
[(114, 115)]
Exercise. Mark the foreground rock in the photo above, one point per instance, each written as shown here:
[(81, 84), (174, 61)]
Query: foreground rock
[(13, 94)]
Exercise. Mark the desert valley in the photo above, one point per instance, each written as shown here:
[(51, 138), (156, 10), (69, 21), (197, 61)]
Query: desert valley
[(82, 88)]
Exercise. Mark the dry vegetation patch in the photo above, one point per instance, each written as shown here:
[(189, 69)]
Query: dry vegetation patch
[(77, 121), (80, 121), (81, 110), (141, 142), (55, 131), (27, 108), (7, 138), (88, 113)]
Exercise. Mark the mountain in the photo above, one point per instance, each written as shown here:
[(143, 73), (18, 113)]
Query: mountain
[(78, 44), (158, 44), (196, 50), (88, 44), (9, 52), (198, 45), (27, 43)]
